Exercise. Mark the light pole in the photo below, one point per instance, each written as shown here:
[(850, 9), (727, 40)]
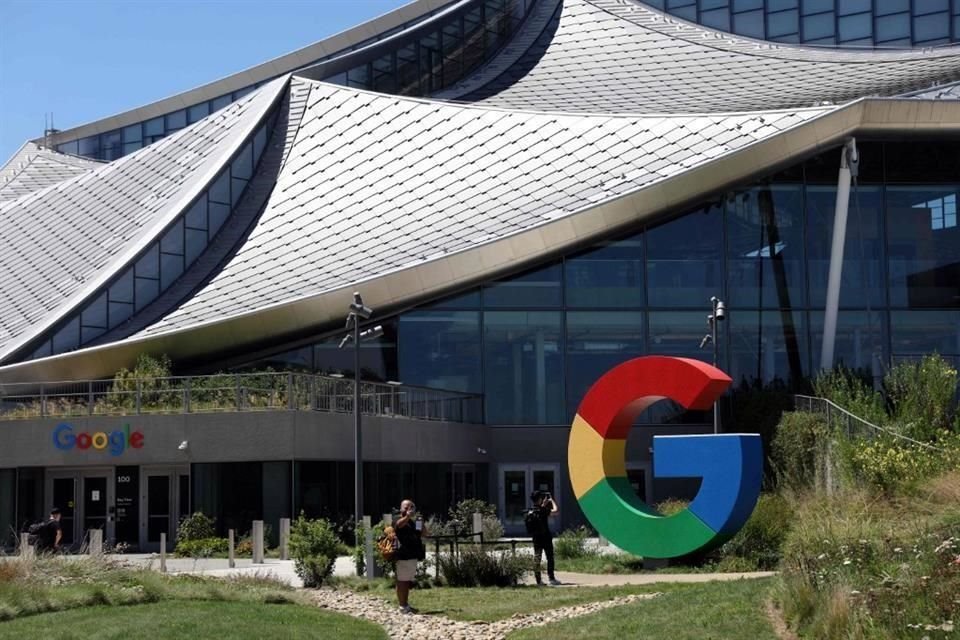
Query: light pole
[(719, 315), (358, 312)]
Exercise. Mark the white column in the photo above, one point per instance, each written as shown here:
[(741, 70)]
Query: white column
[(848, 157)]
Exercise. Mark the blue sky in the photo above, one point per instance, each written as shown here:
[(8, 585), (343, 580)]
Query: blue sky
[(84, 60)]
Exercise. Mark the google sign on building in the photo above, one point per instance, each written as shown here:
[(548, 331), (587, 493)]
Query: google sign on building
[(114, 442)]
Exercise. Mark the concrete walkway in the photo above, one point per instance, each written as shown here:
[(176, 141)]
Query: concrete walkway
[(284, 570)]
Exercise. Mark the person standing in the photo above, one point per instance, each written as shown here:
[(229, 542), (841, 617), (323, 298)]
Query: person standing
[(50, 534), (409, 530), (544, 507)]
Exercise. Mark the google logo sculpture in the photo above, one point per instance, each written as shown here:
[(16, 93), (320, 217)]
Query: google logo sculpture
[(730, 465)]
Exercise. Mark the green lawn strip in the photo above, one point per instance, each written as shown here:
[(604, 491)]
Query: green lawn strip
[(58, 584), (185, 619), (489, 604), (712, 610)]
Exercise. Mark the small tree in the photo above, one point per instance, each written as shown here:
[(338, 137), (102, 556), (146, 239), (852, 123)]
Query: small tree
[(313, 545)]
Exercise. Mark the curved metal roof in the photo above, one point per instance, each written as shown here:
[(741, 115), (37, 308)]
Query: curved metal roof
[(615, 56), (62, 242), (34, 167)]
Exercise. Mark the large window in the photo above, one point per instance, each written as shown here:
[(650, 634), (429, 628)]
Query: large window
[(596, 342), (608, 276), (684, 259), (765, 247), (860, 23), (441, 349), (862, 281), (768, 347), (523, 359), (924, 246)]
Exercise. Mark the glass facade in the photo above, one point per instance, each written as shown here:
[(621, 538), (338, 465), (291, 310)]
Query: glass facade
[(533, 343), (856, 23), (432, 62), (160, 264)]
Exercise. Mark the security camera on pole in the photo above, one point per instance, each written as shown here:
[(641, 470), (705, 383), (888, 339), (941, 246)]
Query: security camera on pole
[(358, 312), (719, 315)]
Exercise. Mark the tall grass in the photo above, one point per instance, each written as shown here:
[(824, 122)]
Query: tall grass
[(862, 565)]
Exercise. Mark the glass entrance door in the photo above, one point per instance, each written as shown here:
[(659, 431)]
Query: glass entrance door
[(517, 482), (165, 498), (95, 503), (158, 508), (64, 498)]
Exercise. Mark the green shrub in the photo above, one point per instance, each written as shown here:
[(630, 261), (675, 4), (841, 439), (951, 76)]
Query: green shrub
[(359, 556), (760, 542), (202, 548), (195, 527), (891, 464), (572, 544), (313, 546), (798, 448), (477, 567), (851, 390), (922, 396)]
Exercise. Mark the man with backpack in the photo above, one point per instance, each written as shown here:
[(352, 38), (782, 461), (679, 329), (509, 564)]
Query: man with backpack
[(537, 521), (409, 551), (48, 534)]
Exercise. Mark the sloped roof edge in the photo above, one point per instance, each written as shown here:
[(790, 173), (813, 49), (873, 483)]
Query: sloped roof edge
[(270, 94), (440, 275)]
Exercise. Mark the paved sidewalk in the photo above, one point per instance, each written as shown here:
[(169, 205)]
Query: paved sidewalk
[(284, 570), (568, 579)]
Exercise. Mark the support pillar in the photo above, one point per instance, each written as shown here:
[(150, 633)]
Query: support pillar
[(849, 162)]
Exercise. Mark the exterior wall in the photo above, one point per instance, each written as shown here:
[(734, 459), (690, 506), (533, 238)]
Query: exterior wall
[(250, 436), (881, 23)]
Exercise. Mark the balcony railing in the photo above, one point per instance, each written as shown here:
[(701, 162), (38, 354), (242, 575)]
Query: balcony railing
[(233, 392)]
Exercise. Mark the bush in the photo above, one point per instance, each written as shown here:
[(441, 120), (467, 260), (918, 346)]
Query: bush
[(195, 527), (852, 391), (314, 546), (798, 448), (359, 559), (572, 544), (760, 541), (922, 396), (891, 464), (202, 548), (477, 567)]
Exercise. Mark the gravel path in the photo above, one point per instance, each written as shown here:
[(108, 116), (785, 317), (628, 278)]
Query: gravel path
[(417, 627)]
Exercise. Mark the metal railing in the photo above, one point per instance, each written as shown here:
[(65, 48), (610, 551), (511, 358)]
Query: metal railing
[(273, 391), (850, 425)]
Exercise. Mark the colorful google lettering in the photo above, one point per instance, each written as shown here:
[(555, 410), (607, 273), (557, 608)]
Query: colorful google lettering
[(730, 465), (116, 442)]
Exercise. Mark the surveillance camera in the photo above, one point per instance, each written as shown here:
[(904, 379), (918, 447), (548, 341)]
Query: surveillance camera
[(183, 445), (721, 311), (359, 308), (481, 451)]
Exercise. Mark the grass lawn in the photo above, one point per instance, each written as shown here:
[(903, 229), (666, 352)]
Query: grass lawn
[(713, 610), (606, 563), (183, 619)]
